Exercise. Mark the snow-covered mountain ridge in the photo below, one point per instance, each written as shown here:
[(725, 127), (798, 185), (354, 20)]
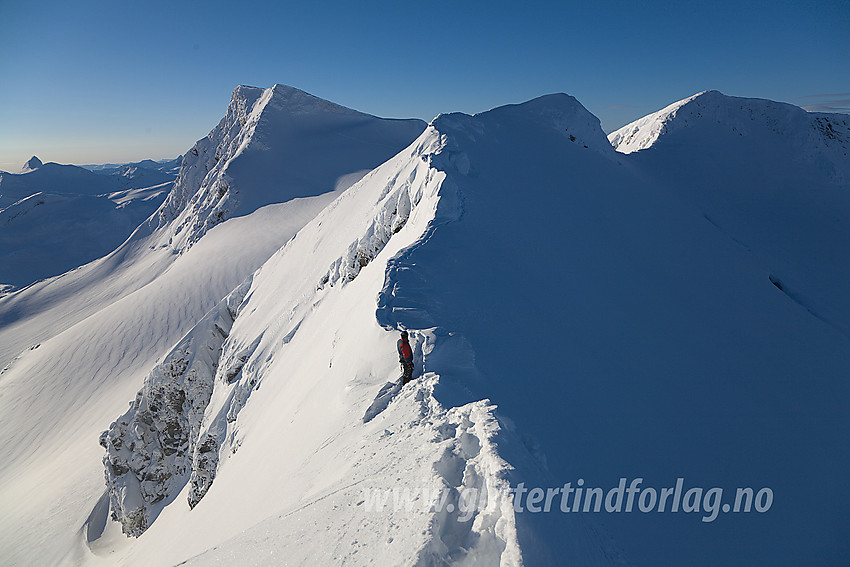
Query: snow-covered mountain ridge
[(574, 313), (391, 209), (279, 167), (770, 175)]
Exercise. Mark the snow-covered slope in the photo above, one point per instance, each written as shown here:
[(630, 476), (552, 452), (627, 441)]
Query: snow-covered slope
[(74, 347), (341, 147), (812, 135), (53, 178), (46, 234), (274, 414), (144, 173), (274, 145)]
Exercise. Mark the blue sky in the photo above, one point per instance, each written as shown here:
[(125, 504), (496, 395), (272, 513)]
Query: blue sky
[(96, 81)]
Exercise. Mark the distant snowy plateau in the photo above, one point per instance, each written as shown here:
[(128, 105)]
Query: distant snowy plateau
[(54, 218), (190, 358)]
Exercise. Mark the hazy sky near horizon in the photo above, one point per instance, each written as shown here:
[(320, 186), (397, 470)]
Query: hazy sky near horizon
[(93, 81)]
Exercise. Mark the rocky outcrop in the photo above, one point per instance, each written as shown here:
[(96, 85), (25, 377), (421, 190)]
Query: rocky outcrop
[(150, 449)]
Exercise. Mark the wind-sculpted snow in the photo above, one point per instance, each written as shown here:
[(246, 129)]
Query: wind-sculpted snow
[(394, 210), (150, 448)]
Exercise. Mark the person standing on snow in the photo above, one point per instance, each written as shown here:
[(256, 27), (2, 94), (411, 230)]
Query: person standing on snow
[(405, 357)]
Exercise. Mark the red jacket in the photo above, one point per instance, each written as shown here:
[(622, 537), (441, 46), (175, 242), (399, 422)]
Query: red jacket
[(405, 354)]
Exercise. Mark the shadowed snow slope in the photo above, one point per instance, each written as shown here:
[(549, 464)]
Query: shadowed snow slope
[(55, 178), (46, 234), (770, 177), (74, 348), (634, 339)]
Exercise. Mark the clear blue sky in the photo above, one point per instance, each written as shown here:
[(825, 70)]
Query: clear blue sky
[(95, 81)]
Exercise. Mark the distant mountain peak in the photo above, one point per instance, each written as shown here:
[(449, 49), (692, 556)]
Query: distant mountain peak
[(713, 113), (31, 164)]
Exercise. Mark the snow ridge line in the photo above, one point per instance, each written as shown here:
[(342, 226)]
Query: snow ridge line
[(397, 203), (470, 465), (815, 134)]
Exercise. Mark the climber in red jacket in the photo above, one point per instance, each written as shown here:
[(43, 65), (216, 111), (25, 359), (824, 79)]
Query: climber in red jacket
[(405, 357)]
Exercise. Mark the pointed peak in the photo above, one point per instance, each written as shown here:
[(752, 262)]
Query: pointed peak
[(31, 164), (288, 99)]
